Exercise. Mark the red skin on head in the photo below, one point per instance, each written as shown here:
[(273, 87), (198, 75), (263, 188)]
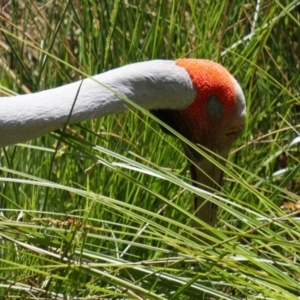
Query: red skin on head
[(209, 79)]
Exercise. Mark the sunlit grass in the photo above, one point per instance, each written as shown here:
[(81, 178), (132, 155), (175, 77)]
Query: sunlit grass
[(105, 208)]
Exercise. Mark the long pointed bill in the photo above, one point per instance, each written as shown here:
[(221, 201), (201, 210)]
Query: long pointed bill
[(207, 176)]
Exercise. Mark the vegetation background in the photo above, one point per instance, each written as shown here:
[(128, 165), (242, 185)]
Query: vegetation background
[(103, 209)]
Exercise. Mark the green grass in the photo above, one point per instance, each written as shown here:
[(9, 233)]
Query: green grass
[(104, 209)]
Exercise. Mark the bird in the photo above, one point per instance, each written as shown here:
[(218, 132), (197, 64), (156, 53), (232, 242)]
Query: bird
[(198, 98)]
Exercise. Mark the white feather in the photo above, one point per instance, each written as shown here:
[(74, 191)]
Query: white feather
[(154, 84)]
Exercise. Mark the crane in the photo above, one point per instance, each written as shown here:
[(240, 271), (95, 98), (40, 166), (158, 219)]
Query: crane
[(198, 98)]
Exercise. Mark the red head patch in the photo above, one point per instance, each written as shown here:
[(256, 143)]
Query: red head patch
[(211, 80)]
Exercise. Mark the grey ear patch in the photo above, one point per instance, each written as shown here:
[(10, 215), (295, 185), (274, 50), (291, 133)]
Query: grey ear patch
[(214, 108)]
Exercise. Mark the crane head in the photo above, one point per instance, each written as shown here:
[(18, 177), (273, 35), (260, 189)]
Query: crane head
[(213, 121)]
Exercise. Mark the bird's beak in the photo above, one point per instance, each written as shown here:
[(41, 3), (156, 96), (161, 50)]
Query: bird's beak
[(209, 177)]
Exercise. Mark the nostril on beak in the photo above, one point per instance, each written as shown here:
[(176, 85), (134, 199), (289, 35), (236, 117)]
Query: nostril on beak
[(234, 129)]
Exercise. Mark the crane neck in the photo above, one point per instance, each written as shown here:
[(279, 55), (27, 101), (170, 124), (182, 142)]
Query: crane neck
[(157, 84)]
